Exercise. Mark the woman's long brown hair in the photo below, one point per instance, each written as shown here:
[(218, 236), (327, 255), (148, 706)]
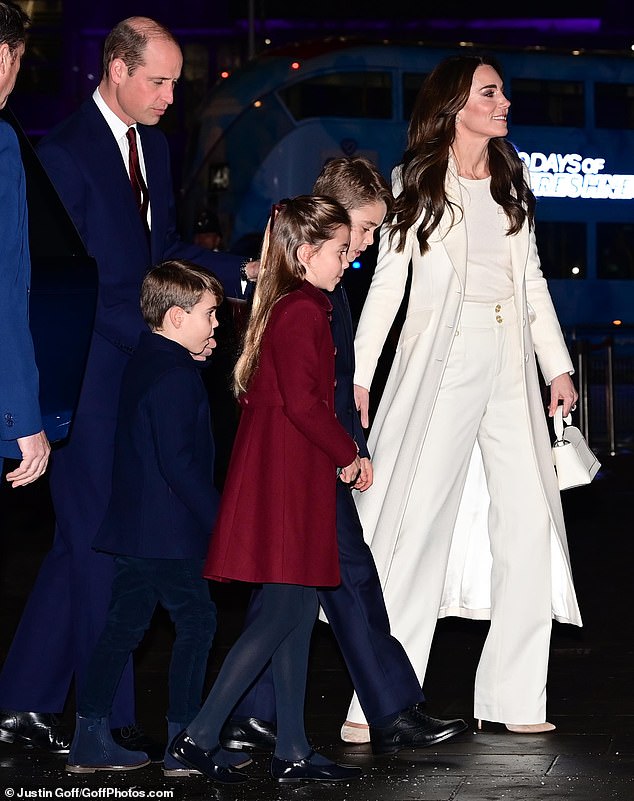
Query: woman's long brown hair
[(431, 134)]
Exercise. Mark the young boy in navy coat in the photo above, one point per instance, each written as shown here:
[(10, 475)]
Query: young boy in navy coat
[(162, 509)]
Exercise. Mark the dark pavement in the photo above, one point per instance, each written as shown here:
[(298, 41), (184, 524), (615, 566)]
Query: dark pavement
[(589, 758)]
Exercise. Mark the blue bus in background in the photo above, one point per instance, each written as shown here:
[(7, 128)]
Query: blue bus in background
[(265, 131)]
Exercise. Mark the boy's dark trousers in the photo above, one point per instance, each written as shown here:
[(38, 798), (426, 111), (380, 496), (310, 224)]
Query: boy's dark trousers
[(139, 584)]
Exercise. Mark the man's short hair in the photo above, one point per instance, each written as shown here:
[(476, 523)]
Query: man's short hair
[(13, 25), (129, 39), (175, 283)]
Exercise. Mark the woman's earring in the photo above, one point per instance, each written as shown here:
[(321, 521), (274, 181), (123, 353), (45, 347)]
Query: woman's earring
[(457, 118)]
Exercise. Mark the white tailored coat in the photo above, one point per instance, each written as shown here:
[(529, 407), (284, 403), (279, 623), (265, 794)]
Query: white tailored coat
[(407, 402)]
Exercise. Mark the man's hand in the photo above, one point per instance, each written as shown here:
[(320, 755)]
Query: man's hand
[(35, 451), (252, 268)]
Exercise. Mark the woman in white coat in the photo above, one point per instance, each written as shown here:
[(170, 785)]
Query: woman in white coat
[(464, 517)]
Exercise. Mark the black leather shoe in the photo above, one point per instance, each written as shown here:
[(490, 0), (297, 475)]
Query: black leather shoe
[(413, 729), (41, 730), (185, 750), (135, 739), (304, 770), (250, 733)]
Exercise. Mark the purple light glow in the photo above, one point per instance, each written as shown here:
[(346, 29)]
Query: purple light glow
[(563, 25)]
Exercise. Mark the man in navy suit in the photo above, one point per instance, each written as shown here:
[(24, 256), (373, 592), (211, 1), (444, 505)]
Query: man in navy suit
[(380, 670), (21, 435), (111, 168)]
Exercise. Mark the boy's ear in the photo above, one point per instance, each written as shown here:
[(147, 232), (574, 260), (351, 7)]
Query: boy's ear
[(175, 315)]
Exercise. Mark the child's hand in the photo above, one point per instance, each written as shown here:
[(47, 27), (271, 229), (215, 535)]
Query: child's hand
[(350, 473), (366, 476)]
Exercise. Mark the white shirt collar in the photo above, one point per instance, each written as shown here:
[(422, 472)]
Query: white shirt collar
[(116, 125)]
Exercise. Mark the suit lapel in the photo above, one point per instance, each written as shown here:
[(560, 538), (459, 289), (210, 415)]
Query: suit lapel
[(111, 171)]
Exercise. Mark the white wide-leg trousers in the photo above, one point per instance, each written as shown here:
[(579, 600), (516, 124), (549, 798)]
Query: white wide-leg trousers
[(481, 397)]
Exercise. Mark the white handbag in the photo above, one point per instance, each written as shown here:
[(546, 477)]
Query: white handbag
[(575, 463)]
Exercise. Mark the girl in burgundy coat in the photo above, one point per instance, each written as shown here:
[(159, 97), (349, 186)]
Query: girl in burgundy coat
[(276, 523)]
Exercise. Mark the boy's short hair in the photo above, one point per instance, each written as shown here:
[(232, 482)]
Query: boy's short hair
[(354, 182), (176, 282)]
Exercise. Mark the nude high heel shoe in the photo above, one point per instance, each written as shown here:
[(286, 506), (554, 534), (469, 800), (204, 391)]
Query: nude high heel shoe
[(519, 728), (355, 732)]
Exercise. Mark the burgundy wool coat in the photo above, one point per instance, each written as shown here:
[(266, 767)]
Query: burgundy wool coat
[(276, 522)]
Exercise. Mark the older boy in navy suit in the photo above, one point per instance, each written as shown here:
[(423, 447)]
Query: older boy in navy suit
[(162, 508)]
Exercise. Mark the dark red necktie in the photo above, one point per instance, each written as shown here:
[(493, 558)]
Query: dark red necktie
[(139, 187)]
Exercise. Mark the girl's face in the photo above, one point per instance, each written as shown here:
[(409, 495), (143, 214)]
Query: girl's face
[(485, 112), (325, 264)]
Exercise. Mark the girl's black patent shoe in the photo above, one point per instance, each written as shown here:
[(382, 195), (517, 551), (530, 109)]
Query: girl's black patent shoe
[(185, 750), (304, 770)]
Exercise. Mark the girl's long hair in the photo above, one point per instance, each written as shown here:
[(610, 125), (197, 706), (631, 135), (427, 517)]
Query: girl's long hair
[(431, 133), (306, 219)]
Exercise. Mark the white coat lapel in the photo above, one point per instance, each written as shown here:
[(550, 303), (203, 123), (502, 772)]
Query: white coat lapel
[(453, 233), (519, 254)]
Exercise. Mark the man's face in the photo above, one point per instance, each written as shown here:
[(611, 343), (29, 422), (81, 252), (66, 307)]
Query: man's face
[(365, 220), (145, 95), (9, 68)]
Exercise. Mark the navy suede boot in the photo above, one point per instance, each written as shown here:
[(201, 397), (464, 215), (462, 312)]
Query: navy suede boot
[(94, 749)]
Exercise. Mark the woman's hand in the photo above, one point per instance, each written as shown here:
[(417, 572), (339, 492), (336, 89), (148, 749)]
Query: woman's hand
[(562, 389), (362, 402)]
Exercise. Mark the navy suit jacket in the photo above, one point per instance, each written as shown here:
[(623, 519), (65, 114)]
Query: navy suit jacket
[(343, 337), (83, 160), (163, 502), (19, 403)]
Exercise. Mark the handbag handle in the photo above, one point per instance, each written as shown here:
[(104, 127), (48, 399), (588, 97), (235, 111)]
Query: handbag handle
[(558, 423)]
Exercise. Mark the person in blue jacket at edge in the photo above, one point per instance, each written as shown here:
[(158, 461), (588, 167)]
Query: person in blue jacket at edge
[(21, 434)]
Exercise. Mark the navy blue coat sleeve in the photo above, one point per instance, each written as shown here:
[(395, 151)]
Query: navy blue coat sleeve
[(19, 402)]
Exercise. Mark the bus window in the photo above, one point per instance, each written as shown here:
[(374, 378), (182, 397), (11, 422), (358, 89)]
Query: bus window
[(614, 105), (539, 102), (562, 248), (341, 94), (615, 250), (412, 82)]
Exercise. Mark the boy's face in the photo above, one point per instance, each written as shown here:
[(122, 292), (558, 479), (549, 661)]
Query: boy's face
[(198, 326), (365, 220)]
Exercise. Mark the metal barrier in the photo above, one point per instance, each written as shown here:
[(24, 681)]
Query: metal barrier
[(604, 365)]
